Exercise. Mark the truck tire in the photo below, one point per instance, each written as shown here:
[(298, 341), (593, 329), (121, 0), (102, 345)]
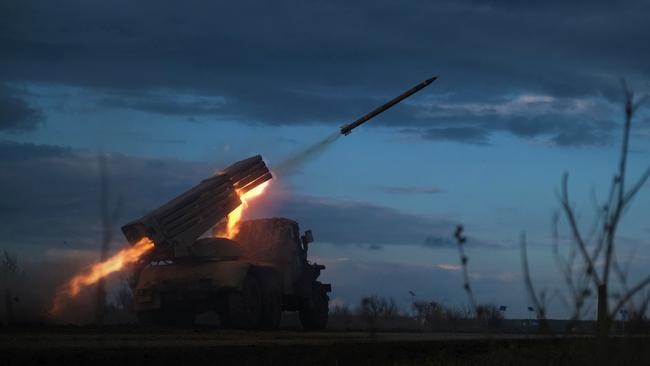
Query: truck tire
[(243, 309), (314, 310)]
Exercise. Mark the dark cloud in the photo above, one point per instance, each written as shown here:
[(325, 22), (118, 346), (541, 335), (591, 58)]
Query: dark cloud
[(276, 107), (51, 194), (447, 241), (561, 122), (470, 135), (586, 133), (556, 130), (51, 200), (564, 131), (16, 115), (165, 105), (345, 222), (331, 61), (439, 242), (16, 153), (411, 190)]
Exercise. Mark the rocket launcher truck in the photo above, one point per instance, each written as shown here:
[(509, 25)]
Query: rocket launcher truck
[(247, 281)]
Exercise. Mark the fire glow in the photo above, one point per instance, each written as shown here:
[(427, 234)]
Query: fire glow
[(100, 270), (234, 218), (132, 254)]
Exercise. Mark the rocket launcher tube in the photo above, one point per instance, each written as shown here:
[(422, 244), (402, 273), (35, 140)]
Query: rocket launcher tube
[(185, 218)]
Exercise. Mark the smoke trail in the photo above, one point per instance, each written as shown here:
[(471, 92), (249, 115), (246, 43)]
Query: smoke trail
[(291, 164)]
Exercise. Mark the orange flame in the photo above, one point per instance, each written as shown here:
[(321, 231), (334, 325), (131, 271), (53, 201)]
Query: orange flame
[(232, 227), (100, 270)]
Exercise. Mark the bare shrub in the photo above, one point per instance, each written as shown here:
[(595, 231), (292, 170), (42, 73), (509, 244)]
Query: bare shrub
[(489, 314), (373, 308), (435, 316), (429, 313), (455, 315), (592, 257), (341, 313), (340, 310), (9, 272), (636, 318)]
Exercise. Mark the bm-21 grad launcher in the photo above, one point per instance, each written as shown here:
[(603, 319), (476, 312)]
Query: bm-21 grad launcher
[(185, 218), (248, 280)]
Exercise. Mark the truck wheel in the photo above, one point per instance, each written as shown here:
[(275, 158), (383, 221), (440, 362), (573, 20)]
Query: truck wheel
[(243, 309), (314, 311), (272, 310)]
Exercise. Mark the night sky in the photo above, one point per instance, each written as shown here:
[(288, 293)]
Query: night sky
[(173, 91)]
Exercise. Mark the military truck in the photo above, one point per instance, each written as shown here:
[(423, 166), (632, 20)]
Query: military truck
[(248, 281)]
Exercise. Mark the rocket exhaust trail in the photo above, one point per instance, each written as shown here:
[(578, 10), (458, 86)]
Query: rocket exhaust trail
[(292, 163)]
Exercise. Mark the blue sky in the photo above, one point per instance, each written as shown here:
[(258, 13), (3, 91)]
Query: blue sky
[(526, 93)]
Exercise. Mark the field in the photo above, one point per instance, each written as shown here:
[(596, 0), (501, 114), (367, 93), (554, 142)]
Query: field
[(121, 345)]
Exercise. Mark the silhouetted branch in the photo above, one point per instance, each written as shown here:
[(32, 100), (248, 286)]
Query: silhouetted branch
[(460, 241), (608, 218), (630, 293), (637, 186), (605, 214), (539, 302), (573, 224), (578, 288)]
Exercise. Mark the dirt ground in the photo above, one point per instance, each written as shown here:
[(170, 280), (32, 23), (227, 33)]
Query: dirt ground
[(209, 346)]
